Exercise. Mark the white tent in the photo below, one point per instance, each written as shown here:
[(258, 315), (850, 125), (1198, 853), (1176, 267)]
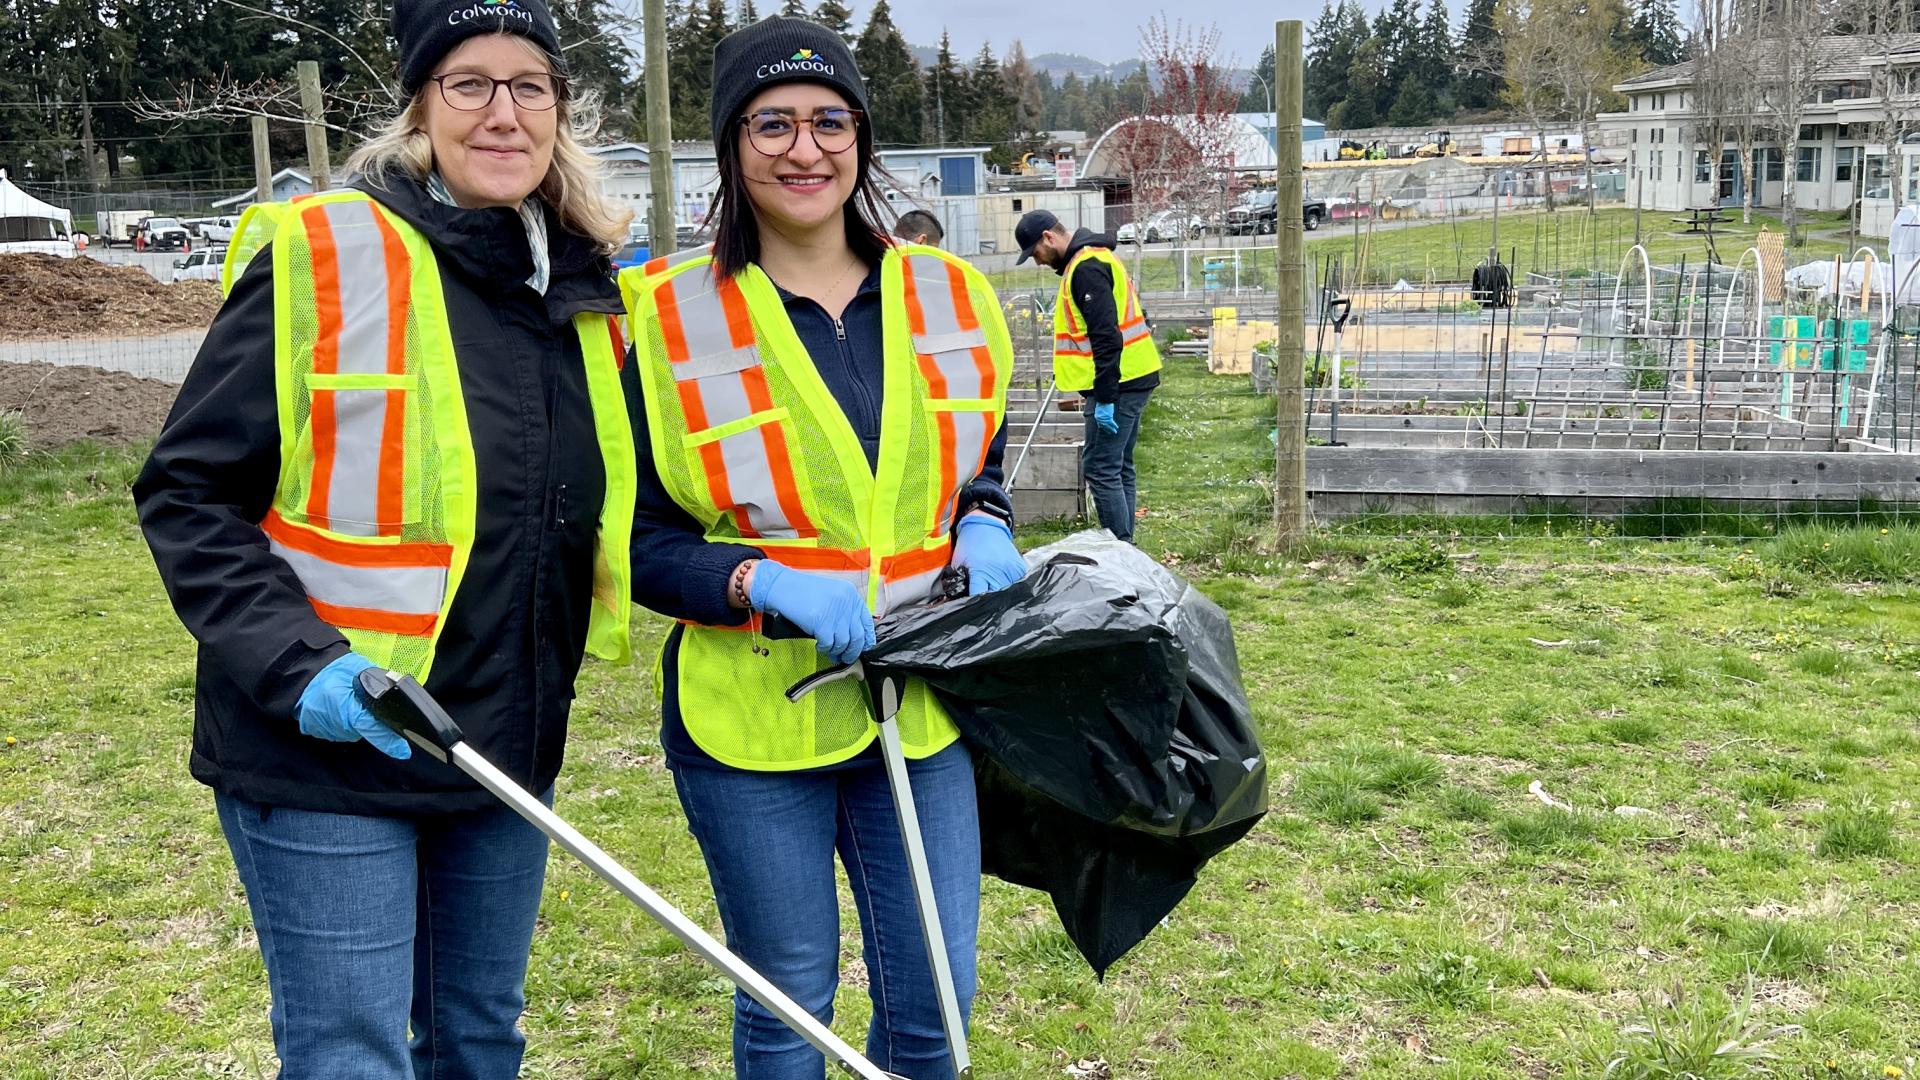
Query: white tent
[(1903, 251), (29, 225)]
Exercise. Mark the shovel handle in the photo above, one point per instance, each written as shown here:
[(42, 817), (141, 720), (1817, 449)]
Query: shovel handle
[(1340, 308)]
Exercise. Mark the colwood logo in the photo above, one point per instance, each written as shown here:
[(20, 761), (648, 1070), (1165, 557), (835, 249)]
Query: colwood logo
[(804, 60), (489, 9)]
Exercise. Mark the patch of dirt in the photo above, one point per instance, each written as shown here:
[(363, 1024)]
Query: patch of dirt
[(50, 297), (64, 404)]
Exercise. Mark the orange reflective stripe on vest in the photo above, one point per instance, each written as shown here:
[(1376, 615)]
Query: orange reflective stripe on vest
[(361, 292), (717, 370), (390, 588), (952, 350)]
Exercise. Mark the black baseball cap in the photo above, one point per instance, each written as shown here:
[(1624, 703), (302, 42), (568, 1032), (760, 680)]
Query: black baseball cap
[(1031, 228)]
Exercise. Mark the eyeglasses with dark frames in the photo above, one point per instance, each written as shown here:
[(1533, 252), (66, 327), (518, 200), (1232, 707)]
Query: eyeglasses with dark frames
[(773, 132), (470, 91)]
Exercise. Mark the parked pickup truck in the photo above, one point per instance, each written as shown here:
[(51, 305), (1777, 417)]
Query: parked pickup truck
[(119, 226), (1256, 214), (202, 265), (164, 234), (219, 230)]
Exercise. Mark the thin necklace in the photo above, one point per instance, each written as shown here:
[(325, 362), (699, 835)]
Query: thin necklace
[(836, 281)]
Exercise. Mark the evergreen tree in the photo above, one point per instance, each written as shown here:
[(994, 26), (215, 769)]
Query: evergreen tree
[(989, 117), (1655, 35), (1329, 60), (1132, 94), (1479, 84), (1025, 91), (1075, 110), (1365, 76), (692, 33), (796, 9), (1433, 62), (836, 17), (1397, 29), (893, 80), (1414, 104), (1258, 98), (596, 61), (946, 96), (748, 13)]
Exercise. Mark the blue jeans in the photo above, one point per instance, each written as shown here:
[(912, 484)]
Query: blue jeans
[(1107, 462), (769, 839), (369, 925)]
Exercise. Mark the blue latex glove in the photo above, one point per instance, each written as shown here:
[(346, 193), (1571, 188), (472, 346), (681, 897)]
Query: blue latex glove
[(1103, 415), (831, 612), (984, 545), (330, 708)]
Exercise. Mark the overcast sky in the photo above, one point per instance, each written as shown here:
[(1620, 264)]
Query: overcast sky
[(1106, 30)]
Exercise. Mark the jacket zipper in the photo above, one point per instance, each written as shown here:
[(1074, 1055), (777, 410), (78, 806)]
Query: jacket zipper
[(839, 330)]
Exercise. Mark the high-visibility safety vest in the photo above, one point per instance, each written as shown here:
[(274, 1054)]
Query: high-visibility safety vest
[(1073, 349), (255, 228), (377, 498), (749, 440)]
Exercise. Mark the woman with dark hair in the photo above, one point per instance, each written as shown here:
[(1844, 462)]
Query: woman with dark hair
[(822, 442)]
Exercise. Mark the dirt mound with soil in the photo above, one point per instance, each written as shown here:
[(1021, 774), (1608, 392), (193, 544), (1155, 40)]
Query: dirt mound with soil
[(45, 296), (64, 404)]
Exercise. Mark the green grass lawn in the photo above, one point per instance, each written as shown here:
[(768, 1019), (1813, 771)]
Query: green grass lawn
[(1532, 240), (1408, 908)]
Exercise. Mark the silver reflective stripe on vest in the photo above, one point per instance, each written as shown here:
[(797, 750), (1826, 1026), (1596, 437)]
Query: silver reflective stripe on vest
[(718, 370), (908, 591), (951, 350), (353, 491), (366, 336), (362, 258), (730, 362), (404, 590)]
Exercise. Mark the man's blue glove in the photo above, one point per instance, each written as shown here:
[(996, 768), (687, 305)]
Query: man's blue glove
[(330, 708), (1103, 415), (984, 545), (832, 613)]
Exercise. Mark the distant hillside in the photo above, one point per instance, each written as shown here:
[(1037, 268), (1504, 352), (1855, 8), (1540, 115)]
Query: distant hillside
[(1055, 64), (1059, 64)]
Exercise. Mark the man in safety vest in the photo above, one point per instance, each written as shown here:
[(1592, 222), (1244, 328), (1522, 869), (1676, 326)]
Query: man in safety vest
[(1102, 349)]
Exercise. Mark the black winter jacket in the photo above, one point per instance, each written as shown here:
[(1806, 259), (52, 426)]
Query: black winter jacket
[(1093, 289), (514, 639)]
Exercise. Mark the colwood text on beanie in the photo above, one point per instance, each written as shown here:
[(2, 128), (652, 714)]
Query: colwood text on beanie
[(428, 30), (779, 49)]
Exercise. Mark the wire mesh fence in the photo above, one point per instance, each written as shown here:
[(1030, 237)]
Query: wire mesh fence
[(1636, 395)]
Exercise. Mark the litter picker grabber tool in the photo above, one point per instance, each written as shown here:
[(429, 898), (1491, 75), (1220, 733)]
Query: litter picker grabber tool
[(403, 705), (883, 696)]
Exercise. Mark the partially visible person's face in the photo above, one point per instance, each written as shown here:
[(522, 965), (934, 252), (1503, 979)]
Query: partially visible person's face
[(1051, 250), (803, 187), (496, 155)]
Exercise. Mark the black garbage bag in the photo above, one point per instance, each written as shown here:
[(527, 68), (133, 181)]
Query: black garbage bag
[(1115, 750)]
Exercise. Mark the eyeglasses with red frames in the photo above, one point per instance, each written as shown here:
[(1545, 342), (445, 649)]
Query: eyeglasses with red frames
[(773, 132), (470, 91)]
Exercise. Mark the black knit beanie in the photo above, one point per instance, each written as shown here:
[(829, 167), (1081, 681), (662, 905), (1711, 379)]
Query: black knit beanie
[(779, 49), (428, 30)]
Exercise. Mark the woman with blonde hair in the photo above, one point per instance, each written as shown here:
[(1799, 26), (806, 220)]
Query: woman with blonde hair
[(406, 443)]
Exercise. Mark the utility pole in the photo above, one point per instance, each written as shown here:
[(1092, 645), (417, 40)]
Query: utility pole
[(660, 215), (86, 140), (1290, 337), (262, 162), (319, 166)]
